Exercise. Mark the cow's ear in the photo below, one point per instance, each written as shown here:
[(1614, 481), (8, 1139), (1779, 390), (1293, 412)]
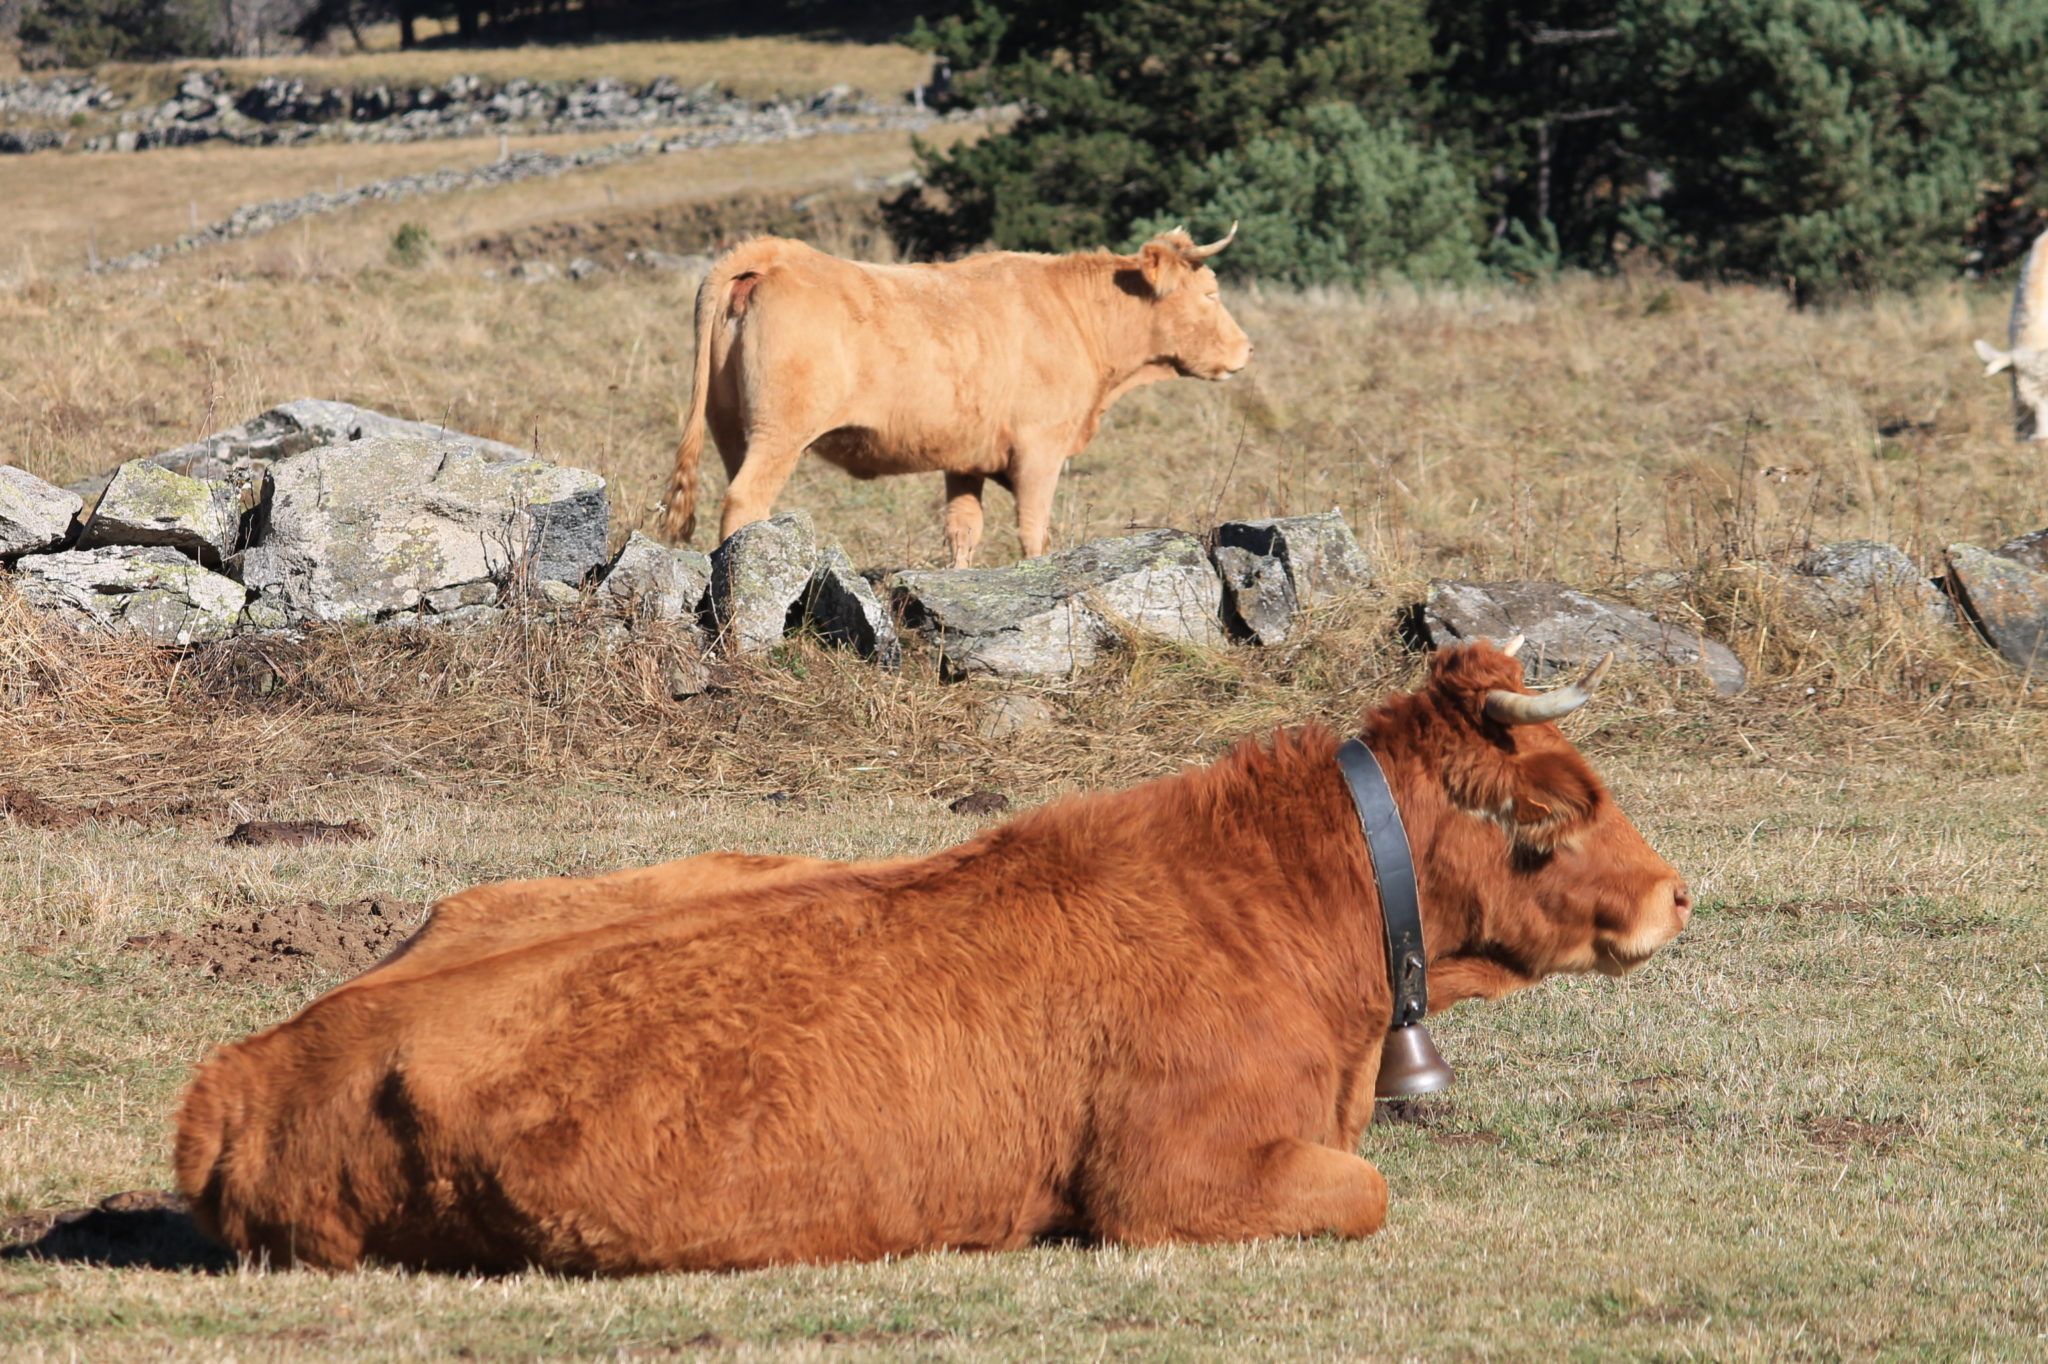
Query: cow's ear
[(1555, 793), (1161, 266)]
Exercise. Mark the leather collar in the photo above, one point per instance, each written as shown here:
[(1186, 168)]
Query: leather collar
[(1393, 870)]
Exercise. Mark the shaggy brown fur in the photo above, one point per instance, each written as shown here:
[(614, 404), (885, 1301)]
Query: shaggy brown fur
[(1143, 1016), (997, 366)]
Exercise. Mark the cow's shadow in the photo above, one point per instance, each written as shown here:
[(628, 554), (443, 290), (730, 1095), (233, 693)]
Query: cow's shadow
[(141, 1230)]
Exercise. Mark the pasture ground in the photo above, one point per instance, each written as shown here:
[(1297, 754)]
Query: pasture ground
[(1811, 1129)]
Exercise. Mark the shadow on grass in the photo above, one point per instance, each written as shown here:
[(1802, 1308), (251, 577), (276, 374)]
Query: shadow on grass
[(146, 1229)]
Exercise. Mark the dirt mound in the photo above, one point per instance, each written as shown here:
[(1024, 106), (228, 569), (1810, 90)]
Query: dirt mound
[(140, 1229), (30, 810), (259, 833), (274, 946)]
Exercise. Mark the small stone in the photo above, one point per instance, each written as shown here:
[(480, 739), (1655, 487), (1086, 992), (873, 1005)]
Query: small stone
[(148, 590), (1258, 596), (842, 607), (145, 504), (2008, 602), (650, 581), (1566, 631), (34, 516), (1010, 714), (1322, 556), (759, 577)]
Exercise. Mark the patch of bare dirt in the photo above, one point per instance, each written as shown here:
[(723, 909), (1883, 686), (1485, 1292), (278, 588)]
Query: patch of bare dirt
[(275, 946), (1795, 909), (1839, 1136), (31, 810), (1434, 1115), (291, 833), (980, 803)]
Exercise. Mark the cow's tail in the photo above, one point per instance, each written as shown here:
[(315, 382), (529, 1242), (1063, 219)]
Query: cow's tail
[(713, 294)]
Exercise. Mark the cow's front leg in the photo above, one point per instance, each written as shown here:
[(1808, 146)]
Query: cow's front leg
[(1286, 1188), (963, 517), (1033, 481)]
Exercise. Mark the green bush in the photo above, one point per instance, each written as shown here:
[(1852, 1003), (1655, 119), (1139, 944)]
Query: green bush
[(411, 245), (87, 32), (1337, 198)]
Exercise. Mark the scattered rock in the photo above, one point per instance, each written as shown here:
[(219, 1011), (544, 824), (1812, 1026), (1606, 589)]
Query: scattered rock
[(151, 591), (1852, 577), (583, 267), (146, 504), (758, 580), (980, 803), (1320, 553), (1568, 630), (1013, 713), (361, 531), (2007, 601), (842, 607), (2030, 549), (277, 946), (650, 581), (1049, 616), (34, 516), (263, 833), (1258, 596)]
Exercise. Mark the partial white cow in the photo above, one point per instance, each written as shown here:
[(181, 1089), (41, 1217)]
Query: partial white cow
[(2027, 357)]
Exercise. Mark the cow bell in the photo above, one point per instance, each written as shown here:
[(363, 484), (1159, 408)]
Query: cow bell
[(1410, 1065)]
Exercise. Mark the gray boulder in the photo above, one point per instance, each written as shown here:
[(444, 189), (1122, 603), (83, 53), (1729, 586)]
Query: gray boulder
[(1049, 616), (152, 591), (1258, 596), (146, 504), (843, 608), (758, 580), (1852, 577), (2007, 600), (1320, 553), (1568, 630), (358, 532), (34, 515), (650, 581)]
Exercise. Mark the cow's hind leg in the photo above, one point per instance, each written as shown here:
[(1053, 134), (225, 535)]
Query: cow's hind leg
[(1287, 1188), (764, 468), (963, 517)]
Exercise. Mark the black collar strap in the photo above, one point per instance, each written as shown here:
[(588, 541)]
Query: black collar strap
[(1393, 870)]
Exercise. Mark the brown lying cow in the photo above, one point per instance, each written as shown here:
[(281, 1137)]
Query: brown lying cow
[(1144, 1016), (997, 366)]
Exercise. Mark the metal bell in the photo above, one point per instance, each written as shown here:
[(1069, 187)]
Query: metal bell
[(1410, 1065)]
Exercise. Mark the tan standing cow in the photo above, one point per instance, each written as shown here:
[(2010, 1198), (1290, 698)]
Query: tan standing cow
[(998, 366), (2027, 346), (1144, 1016)]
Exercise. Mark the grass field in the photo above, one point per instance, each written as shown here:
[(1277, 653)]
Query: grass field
[(1811, 1129)]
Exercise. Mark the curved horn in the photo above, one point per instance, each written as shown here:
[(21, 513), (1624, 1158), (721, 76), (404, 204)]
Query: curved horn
[(1204, 252), (1519, 708), (1513, 646)]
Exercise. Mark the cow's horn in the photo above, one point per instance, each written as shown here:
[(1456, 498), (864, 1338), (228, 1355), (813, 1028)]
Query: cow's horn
[(1519, 708), (1204, 252), (1513, 646)]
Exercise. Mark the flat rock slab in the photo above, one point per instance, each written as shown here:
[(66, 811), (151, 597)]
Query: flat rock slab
[(2007, 600), (1567, 630), (34, 516), (2030, 549), (1047, 617), (758, 580), (298, 426), (1321, 555), (1851, 578), (842, 607), (145, 504), (152, 591), (361, 531)]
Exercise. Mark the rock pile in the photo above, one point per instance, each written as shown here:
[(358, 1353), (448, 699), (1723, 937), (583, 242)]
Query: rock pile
[(321, 513)]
